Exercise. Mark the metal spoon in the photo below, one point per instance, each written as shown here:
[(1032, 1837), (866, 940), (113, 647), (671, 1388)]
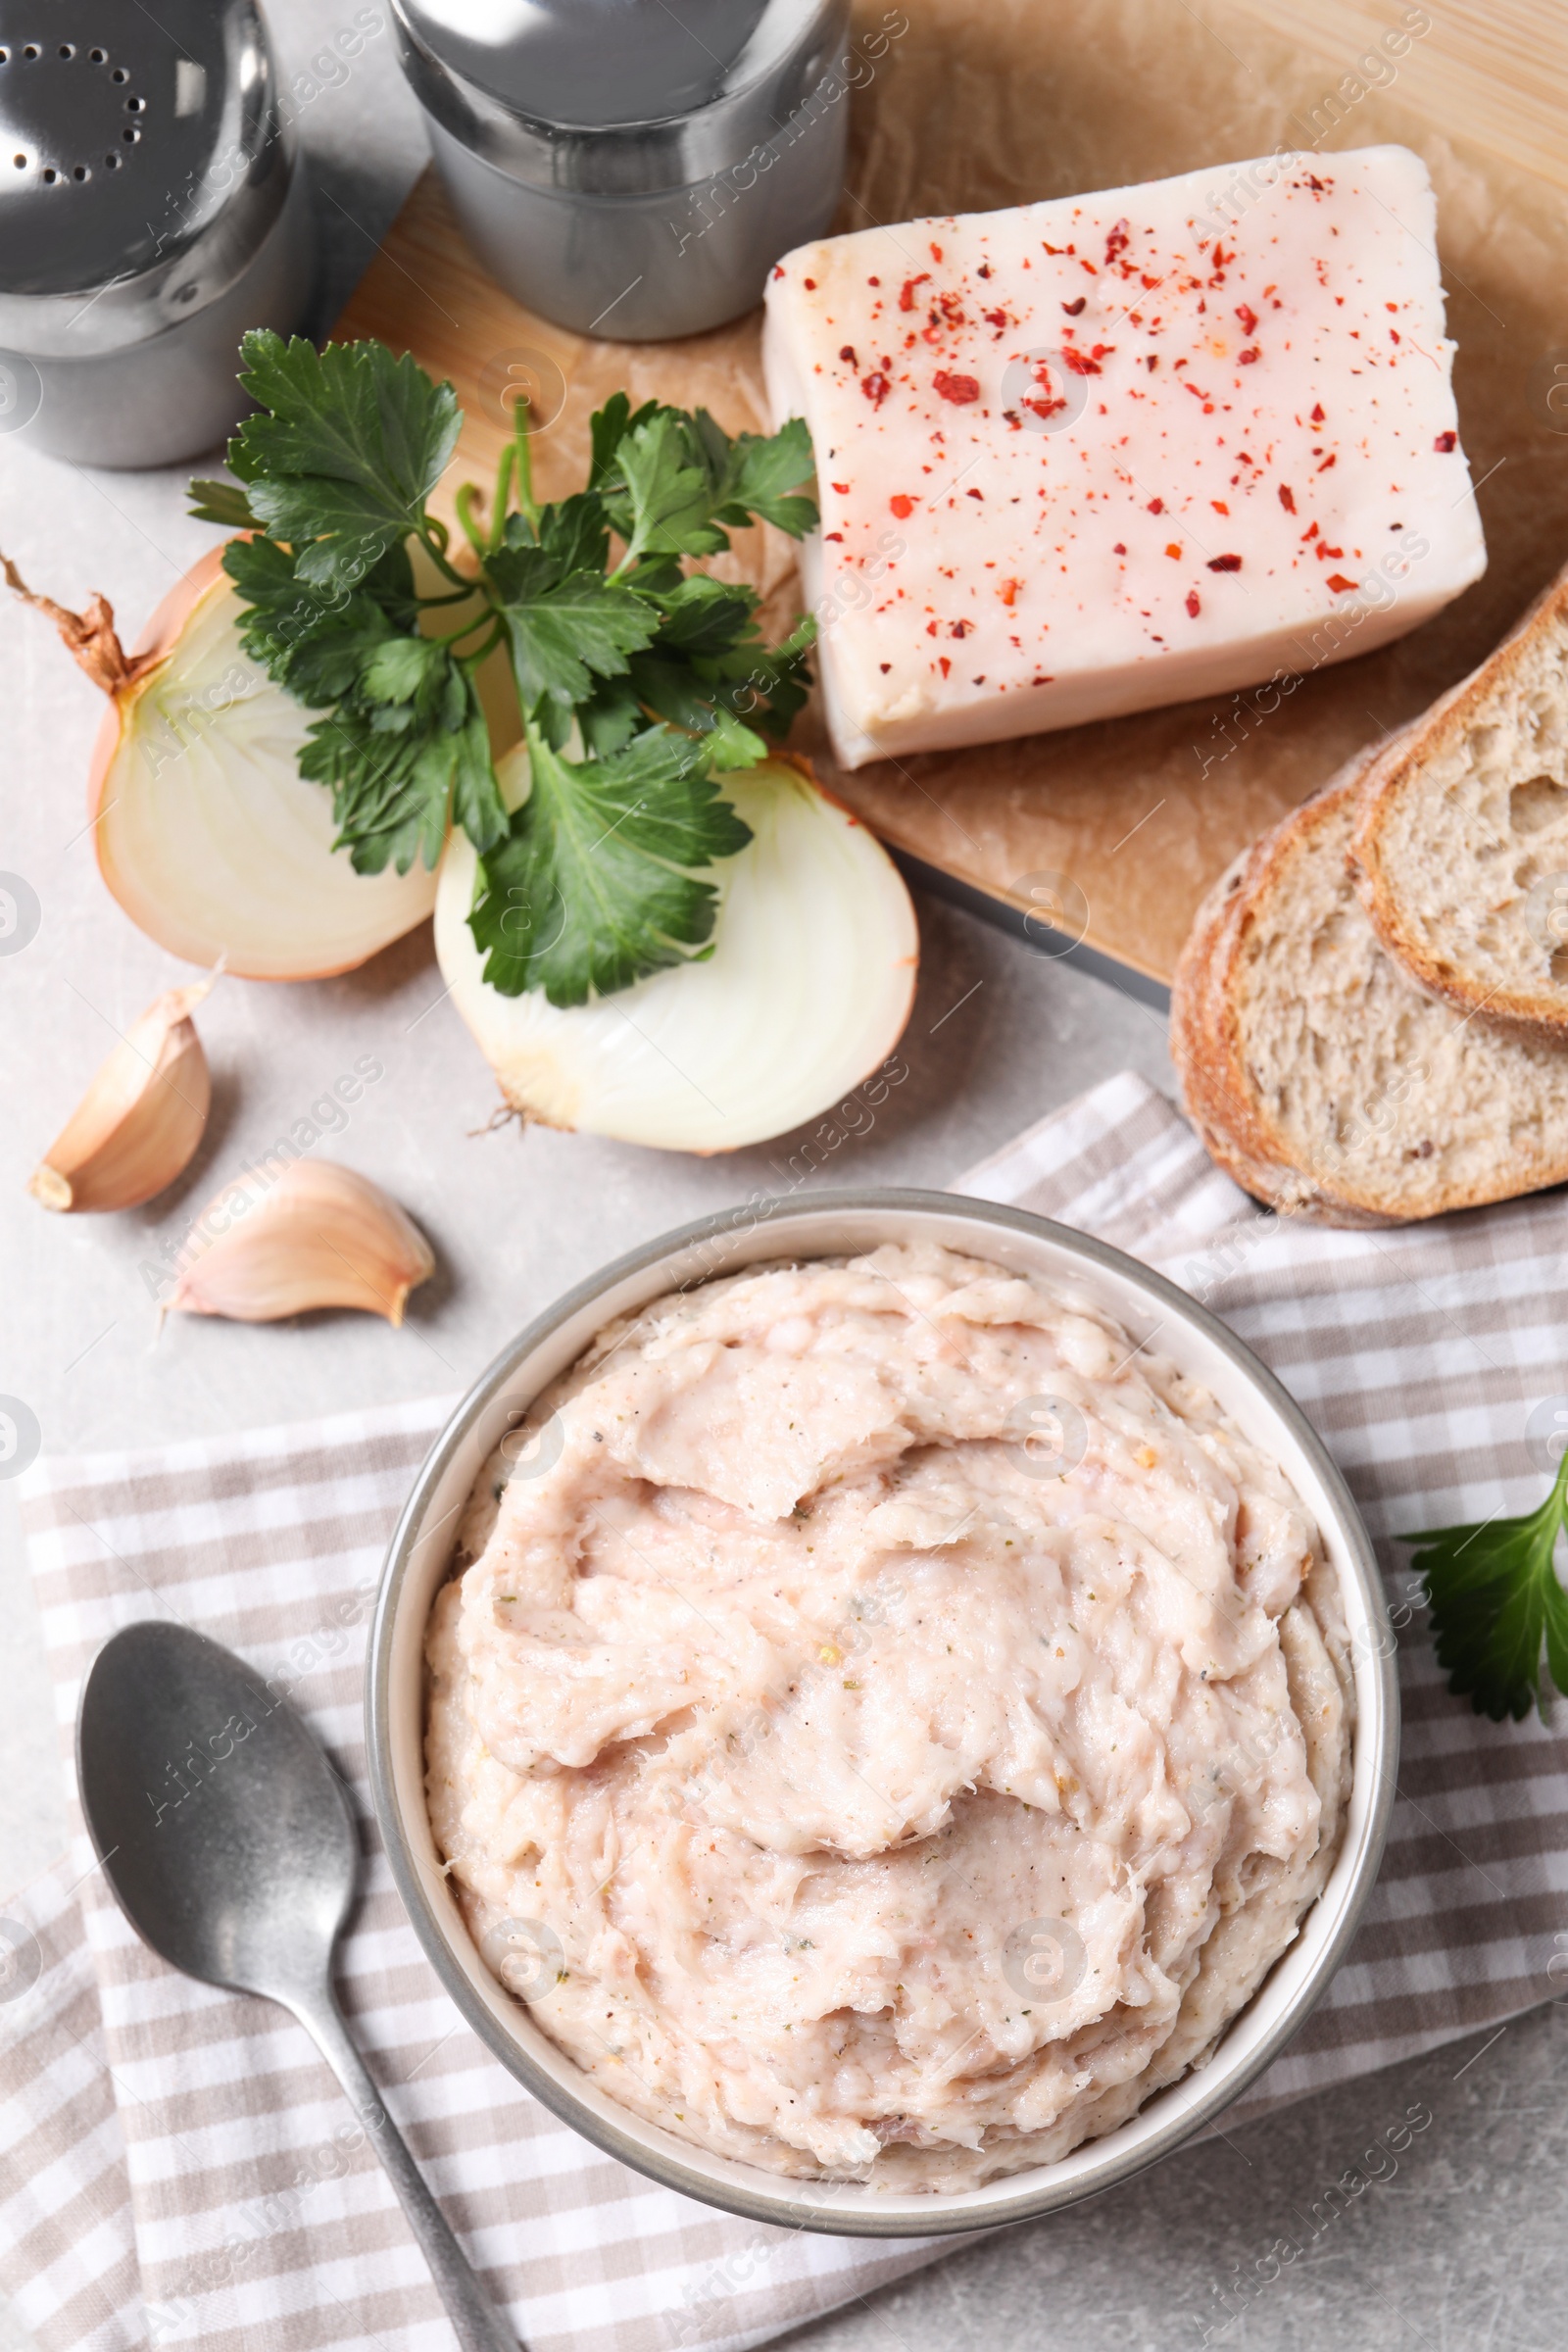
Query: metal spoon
[(230, 1845)]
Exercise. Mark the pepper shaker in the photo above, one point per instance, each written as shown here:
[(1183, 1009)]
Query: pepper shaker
[(626, 169), (151, 210)]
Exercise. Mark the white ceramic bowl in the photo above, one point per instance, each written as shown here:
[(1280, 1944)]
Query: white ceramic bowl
[(825, 1226)]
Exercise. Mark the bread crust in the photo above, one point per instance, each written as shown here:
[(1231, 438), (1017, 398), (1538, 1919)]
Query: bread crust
[(1209, 1050), (1399, 768), (1205, 1033)]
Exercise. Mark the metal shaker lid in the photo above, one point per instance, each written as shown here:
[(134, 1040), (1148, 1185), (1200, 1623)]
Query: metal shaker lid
[(589, 62), (142, 161), (616, 97)]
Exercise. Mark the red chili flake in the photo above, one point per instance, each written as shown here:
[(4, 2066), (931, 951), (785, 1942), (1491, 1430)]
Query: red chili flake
[(1151, 362), (1339, 584), (848, 353), (1248, 316), (974, 494), (884, 667), (875, 387), (959, 389), (984, 269), (936, 253), (1118, 548), (906, 294), (1325, 553), (1072, 309), (1118, 242), (1327, 463), (832, 534), (1287, 499), (1007, 591), (1174, 550), (1081, 364), (1224, 563), (943, 664), (1248, 358), (996, 318), (1149, 282), (930, 628), (1317, 415), (873, 282), (780, 269), (901, 506), (843, 489), (1446, 442), (1219, 506), (809, 283), (960, 628), (1310, 532), (1156, 506), (1193, 604)]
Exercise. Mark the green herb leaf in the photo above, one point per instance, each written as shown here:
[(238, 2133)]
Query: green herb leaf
[(222, 501), (1493, 1594), (668, 491), (565, 631), (354, 444), (607, 429), (400, 773), (591, 890), (755, 473)]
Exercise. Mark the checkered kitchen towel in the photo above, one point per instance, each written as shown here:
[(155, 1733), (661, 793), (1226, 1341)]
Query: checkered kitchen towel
[(177, 2163)]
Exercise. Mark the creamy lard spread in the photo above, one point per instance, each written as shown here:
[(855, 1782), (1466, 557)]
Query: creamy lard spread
[(887, 1722)]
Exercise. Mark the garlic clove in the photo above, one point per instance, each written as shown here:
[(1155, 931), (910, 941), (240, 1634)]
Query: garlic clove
[(318, 1235), (137, 1126)]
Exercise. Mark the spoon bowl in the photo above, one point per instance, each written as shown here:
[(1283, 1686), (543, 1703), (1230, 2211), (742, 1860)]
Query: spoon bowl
[(232, 1841), (231, 1847)]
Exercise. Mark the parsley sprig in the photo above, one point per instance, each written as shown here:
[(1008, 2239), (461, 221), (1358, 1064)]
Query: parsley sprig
[(638, 681), (1493, 1594)]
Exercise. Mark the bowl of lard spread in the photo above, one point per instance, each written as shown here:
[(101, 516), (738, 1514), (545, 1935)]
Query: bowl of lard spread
[(882, 1713)]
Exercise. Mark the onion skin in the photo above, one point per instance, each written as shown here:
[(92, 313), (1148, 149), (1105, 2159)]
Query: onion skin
[(806, 993), (201, 931)]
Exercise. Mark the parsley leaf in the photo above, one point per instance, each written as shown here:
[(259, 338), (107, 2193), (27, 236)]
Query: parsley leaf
[(405, 750), (354, 444), (589, 892), (222, 501), (565, 628), (670, 480), (637, 682), (395, 786), (1493, 1594)]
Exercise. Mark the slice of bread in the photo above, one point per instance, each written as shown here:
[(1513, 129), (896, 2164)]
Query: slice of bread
[(1461, 837), (1320, 1076)]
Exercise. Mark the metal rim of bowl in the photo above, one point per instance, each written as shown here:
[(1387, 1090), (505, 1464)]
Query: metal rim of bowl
[(799, 2203)]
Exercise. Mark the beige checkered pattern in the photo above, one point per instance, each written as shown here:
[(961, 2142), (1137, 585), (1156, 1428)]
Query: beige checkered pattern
[(177, 2163)]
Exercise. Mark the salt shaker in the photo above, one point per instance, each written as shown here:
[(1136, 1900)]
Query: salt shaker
[(150, 212), (626, 168)]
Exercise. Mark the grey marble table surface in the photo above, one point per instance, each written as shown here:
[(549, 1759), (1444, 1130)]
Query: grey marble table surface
[(1464, 2246)]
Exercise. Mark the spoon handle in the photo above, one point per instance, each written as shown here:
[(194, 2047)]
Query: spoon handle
[(476, 2324)]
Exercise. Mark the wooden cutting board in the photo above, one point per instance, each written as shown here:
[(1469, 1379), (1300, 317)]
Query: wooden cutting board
[(1113, 832)]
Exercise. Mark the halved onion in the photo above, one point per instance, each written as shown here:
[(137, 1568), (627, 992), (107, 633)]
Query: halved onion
[(208, 835), (807, 991)]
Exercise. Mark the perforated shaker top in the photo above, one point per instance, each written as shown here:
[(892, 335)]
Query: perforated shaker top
[(125, 134)]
